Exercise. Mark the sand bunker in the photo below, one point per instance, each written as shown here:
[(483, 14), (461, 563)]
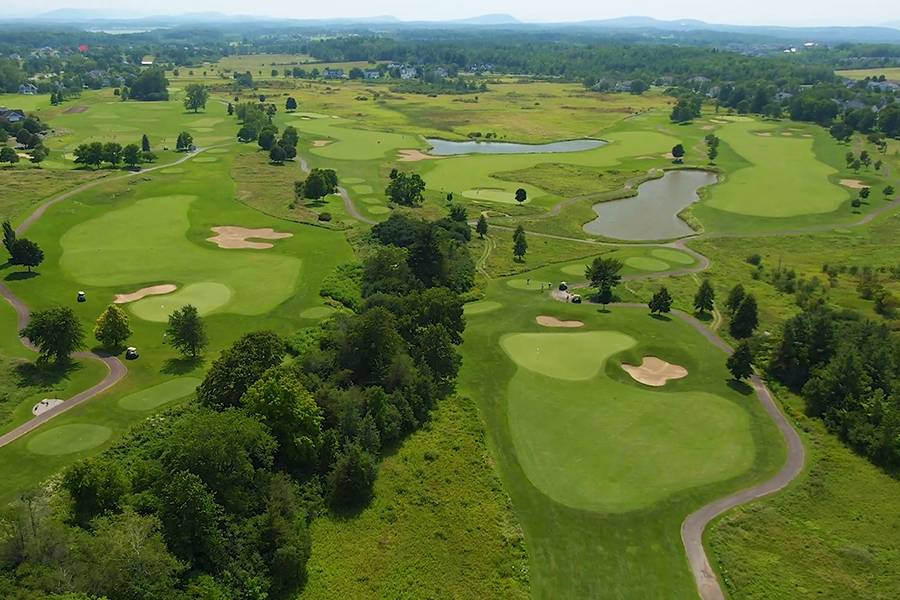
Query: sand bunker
[(764, 134), (414, 156), (655, 371), (669, 155), (153, 290), (320, 143), (708, 127), (45, 405), (855, 184), (237, 237), (554, 322), (719, 121)]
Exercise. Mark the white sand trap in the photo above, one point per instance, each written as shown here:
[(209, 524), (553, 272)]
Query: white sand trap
[(669, 155), (45, 405), (153, 290), (719, 121), (554, 322), (854, 184), (320, 143), (787, 133), (764, 134), (238, 237), (708, 127), (655, 371), (414, 156)]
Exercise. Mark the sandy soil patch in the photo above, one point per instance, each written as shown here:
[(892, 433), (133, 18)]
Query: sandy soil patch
[(414, 156), (787, 133), (854, 184), (153, 290), (238, 237), (719, 121), (764, 134), (655, 371), (708, 127), (75, 109), (45, 405), (320, 143), (646, 158), (546, 321), (669, 156)]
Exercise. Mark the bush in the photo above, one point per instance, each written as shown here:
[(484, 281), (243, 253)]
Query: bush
[(325, 216), (344, 285), (754, 259)]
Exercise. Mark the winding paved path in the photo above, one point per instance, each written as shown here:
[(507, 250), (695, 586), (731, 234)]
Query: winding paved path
[(116, 369), (345, 196)]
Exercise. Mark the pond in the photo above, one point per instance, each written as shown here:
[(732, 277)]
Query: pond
[(441, 147), (653, 213)]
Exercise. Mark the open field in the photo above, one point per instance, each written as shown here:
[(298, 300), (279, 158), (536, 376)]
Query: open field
[(607, 517), (890, 73)]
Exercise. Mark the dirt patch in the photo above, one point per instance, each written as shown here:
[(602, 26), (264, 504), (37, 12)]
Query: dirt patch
[(546, 321), (75, 109), (854, 184), (787, 133), (708, 127), (45, 405), (238, 237), (320, 143), (764, 134), (655, 371), (414, 156), (719, 121), (646, 158), (669, 155), (153, 290)]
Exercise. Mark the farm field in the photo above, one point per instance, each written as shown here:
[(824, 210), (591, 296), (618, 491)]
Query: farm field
[(890, 73)]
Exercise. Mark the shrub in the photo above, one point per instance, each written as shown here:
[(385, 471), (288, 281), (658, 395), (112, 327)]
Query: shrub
[(344, 285), (325, 216)]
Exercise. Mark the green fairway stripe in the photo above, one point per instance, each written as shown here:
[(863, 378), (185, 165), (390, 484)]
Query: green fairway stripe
[(158, 395)]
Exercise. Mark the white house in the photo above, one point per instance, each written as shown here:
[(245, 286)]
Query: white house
[(28, 88)]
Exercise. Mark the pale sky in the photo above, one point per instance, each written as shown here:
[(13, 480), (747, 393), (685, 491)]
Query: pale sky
[(758, 12)]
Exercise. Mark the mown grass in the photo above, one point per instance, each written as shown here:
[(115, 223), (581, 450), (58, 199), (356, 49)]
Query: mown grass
[(832, 534), (440, 525)]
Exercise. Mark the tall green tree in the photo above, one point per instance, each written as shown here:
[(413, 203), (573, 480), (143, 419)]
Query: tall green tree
[(112, 328), (661, 302), (56, 332), (239, 367), (705, 298), (740, 363), (145, 143), (406, 189), (131, 155), (8, 155), (184, 141), (192, 521), (521, 195), (745, 319), (112, 153), (9, 236), (352, 478), (520, 243), (195, 97), (604, 274), (26, 253), (481, 228), (95, 486), (735, 297), (187, 331)]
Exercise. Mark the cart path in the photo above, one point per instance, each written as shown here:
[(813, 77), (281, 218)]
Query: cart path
[(695, 523), (116, 370), (345, 196)]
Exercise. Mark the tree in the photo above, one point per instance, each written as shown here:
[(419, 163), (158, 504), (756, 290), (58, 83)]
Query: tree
[(239, 367), (267, 138), (112, 153), (8, 155), (849, 158), (191, 520), (712, 153), (150, 85), (184, 142), (9, 236), (195, 97), (131, 155), (26, 253), (406, 189), (865, 159), (290, 104), (39, 153), (352, 478), (145, 143), (111, 328), (678, 152), (603, 274), (841, 132), (661, 302), (864, 192), (521, 195), (888, 191), (56, 332), (280, 402), (704, 299), (740, 363), (745, 319), (735, 297), (520, 244), (319, 183), (481, 228), (95, 486), (187, 331), (277, 154)]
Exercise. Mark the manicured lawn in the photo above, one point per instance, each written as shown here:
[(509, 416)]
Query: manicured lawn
[(351, 141), (602, 469), (68, 439), (891, 73), (160, 394)]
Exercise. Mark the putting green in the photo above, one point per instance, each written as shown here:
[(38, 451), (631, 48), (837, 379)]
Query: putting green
[(370, 200), (160, 394), (577, 269), (612, 447), (378, 210), (491, 195), (480, 306), (207, 296), (317, 312), (67, 439), (672, 256), (352, 180), (645, 263), (217, 151), (785, 179), (146, 241), (362, 189), (569, 356), (351, 143), (206, 159)]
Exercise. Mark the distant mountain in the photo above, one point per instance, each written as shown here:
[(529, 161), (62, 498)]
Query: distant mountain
[(492, 19), (892, 24), (72, 15)]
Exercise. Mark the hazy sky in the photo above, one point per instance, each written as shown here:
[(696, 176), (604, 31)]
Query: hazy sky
[(758, 12)]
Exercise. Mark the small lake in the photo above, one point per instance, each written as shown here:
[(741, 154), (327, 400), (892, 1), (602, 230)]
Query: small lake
[(653, 213), (441, 147)]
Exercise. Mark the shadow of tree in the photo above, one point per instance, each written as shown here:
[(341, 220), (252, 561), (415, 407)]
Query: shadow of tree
[(659, 317), (705, 317), (741, 387), (20, 275), (44, 374), (182, 365)]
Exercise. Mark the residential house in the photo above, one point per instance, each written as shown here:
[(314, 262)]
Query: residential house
[(408, 73), (371, 74), (330, 73), (28, 88), (12, 115)]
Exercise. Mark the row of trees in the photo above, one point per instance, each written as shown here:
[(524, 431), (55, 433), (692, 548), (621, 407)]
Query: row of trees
[(94, 154)]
